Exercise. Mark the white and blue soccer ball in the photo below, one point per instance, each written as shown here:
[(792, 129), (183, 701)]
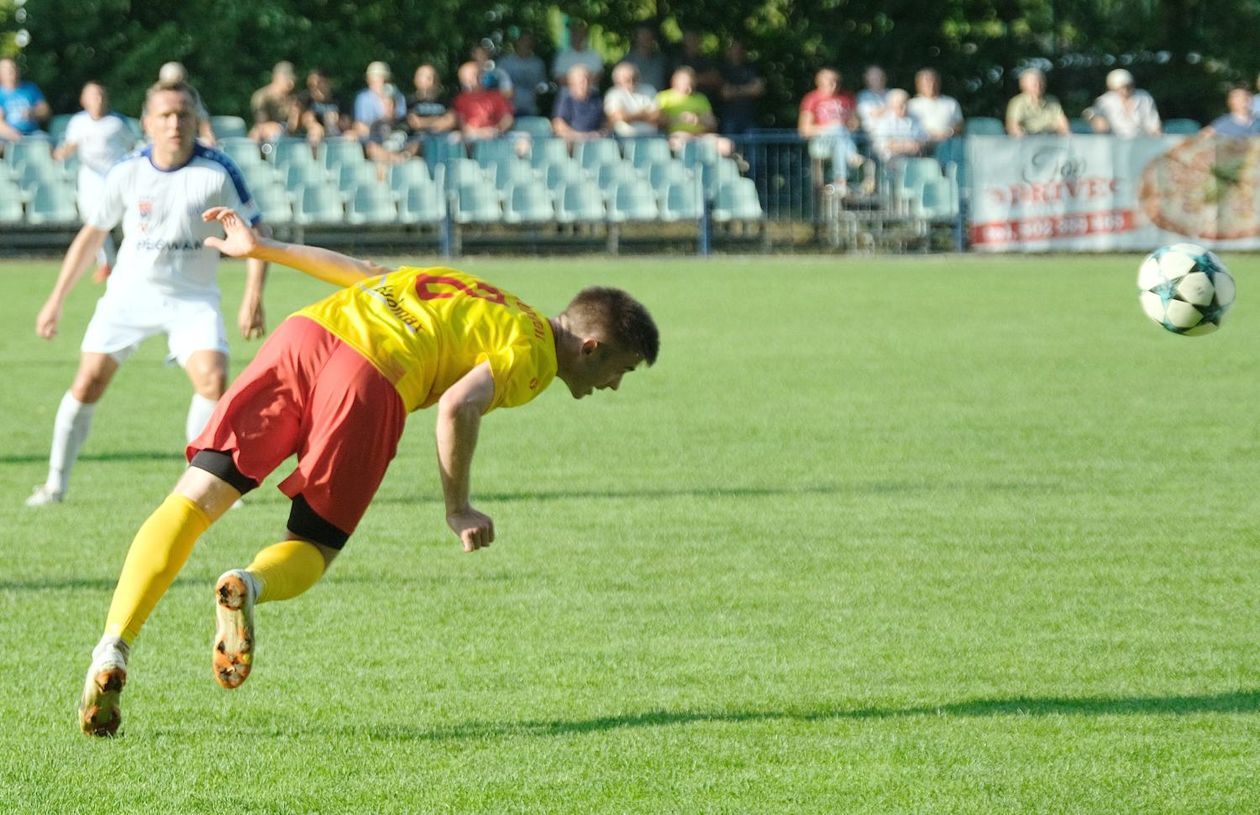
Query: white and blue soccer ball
[(1185, 288)]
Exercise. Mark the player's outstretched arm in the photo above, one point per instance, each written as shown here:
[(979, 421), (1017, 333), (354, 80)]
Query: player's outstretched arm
[(80, 254), (458, 423), (242, 242)]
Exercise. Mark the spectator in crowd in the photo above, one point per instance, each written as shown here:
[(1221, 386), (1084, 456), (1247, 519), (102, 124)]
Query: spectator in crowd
[(646, 56), (687, 114), (742, 86), (577, 54), (100, 138), (1240, 121), (174, 73), (528, 74), (579, 112), (897, 134), (873, 98), (1124, 110), (707, 72), (427, 110), (1032, 112), (277, 111), (483, 112), (484, 58), (941, 116), (367, 104), (321, 112), (828, 117), (388, 141), (631, 107), (22, 104)]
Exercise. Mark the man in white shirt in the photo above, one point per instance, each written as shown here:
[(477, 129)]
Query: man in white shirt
[(897, 133), (165, 281), (1124, 110), (100, 138), (631, 108), (940, 116)]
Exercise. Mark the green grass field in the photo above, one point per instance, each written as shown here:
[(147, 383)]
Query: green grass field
[(875, 535)]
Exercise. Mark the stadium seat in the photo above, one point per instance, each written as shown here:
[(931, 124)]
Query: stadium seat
[(528, 203), (53, 204), (699, 151), (936, 200), (438, 150), (909, 176), (513, 172), (274, 204), (476, 203), (714, 175), (737, 200), (422, 204), (241, 150), (301, 174), (350, 177), (1080, 127), (580, 202), (57, 127), (596, 153), (984, 126), (642, 152), (664, 173), (548, 151), (318, 204), (537, 127), (411, 173), (632, 201), (611, 175), (1181, 127), (225, 126), (33, 175), (372, 204), (562, 173), (461, 171), (290, 152), (10, 202), (681, 201), (489, 152), (334, 153), (30, 151)]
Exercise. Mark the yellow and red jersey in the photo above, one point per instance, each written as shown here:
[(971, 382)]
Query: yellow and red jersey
[(424, 329)]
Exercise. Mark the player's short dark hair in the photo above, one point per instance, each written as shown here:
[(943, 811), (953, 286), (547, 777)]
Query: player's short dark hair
[(619, 317)]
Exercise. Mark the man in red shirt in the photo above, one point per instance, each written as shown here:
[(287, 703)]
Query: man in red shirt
[(483, 112), (827, 117)]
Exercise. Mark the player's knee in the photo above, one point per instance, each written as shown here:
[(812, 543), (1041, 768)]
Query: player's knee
[(88, 387)]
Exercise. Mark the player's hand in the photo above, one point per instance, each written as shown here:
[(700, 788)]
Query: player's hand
[(241, 239), (475, 529), (46, 321), (251, 319)]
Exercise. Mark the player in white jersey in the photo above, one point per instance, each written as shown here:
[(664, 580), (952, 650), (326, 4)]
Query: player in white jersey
[(165, 280), (100, 138)]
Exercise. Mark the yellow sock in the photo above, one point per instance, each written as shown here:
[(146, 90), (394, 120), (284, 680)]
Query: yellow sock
[(286, 569), (155, 557)]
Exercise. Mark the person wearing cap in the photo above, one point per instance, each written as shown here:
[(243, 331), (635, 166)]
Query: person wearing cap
[(1124, 110), (367, 105), (275, 106)]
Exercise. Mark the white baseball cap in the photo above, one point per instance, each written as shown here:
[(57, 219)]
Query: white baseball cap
[(1119, 78)]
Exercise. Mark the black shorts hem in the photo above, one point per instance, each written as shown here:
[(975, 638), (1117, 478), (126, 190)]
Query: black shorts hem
[(307, 524), (219, 463)]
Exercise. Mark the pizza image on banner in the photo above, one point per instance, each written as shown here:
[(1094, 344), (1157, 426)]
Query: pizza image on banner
[(1204, 188)]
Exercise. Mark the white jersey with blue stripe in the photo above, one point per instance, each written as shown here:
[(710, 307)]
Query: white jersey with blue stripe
[(163, 246)]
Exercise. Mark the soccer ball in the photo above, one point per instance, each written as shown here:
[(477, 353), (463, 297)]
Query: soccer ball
[(1185, 288)]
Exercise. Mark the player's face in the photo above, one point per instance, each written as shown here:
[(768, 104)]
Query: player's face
[(600, 367), (93, 100), (171, 122)]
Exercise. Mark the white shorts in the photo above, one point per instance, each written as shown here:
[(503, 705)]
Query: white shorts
[(121, 323)]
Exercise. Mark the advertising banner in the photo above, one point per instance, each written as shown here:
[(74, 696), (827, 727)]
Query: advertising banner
[(1098, 193)]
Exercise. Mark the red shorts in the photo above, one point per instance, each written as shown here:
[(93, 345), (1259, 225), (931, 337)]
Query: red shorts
[(309, 394)]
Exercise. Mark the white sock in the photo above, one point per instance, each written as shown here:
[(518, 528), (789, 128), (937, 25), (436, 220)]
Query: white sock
[(109, 651), (199, 412), (70, 430)]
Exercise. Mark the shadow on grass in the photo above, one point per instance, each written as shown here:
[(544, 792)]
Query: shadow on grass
[(1243, 701), (130, 455)]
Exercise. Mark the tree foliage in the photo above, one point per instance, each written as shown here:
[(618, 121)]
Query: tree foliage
[(1183, 51)]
